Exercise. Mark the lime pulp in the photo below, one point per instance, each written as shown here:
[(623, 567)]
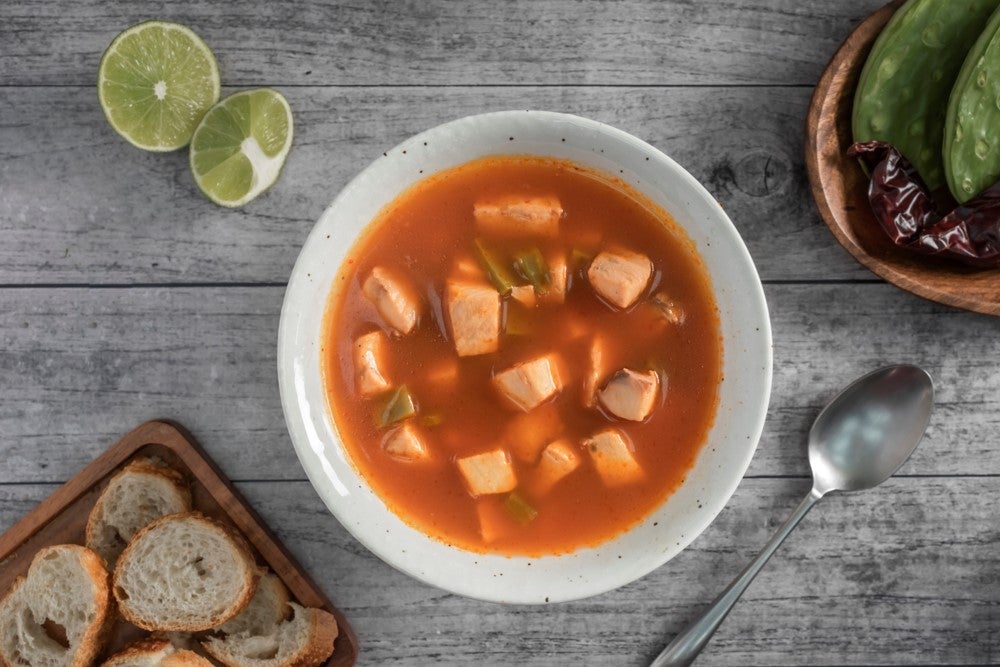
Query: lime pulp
[(155, 82)]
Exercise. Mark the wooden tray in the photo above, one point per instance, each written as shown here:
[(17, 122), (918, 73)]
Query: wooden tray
[(62, 517), (840, 188)]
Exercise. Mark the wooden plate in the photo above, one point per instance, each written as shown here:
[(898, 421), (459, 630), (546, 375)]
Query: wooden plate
[(840, 189), (62, 517)]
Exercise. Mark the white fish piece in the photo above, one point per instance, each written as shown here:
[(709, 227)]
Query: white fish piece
[(558, 459), (519, 215), (630, 394), (395, 299), (405, 443), (530, 383), (370, 354), (620, 276), (488, 473), (473, 317), (613, 458)]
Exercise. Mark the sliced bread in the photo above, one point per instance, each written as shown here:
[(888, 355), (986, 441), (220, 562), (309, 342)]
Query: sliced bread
[(268, 608), (60, 614), (189, 641), (184, 572), (304, 640), (142, 491), (155, 652), (185, 640)]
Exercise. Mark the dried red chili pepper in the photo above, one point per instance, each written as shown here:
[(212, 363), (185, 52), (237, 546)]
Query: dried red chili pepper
[(908, 213)]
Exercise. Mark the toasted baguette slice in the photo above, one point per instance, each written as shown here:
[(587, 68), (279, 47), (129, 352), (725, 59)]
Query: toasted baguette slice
[(155, 652), (268, 608), (60, 614), (189, 641), (184, 572), (142, 491), (304, 640)]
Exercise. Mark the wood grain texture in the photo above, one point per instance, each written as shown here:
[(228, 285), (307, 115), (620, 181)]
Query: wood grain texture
[(438, 42), (80, 205), (62, 518), (889, 576), (840, 189), (905, 574), (81, 366)]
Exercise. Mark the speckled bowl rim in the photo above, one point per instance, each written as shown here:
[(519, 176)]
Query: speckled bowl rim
[(744, 392)]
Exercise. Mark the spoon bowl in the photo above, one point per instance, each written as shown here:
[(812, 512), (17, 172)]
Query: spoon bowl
[(870, 429), (858, 441)]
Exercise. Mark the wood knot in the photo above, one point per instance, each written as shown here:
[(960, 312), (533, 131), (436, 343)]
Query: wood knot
[(759, 174)]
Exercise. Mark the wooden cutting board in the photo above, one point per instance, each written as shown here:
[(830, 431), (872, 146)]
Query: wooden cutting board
[(62, 517)]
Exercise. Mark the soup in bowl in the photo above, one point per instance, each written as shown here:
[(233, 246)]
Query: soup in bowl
[(524, 357)]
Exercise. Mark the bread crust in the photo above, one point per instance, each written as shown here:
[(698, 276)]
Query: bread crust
[(252, 575), (323, 632), (142, 466), (148, 647), (97, 634), (95, 639), (281, 610)]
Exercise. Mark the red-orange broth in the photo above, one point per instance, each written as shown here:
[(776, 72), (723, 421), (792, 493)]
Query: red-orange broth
[(420, 236)]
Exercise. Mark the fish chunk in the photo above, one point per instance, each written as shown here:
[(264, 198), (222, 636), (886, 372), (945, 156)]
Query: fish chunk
[(558, 279), (613, 458), (519, 215), (670, 311), (558, 459), (474, 317), (524, 294), (630, 394), (494, 520), (620, 276), (528, 384), (489, 472), (526, 434), (395, 300), (369, 364), (405, 443), (596, 370)]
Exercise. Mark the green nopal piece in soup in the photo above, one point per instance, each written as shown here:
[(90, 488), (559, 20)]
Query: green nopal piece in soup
[(531, 266), (519, 508), (497, 272), (395, 407), (494, 395), (972, 128), (902, 95)]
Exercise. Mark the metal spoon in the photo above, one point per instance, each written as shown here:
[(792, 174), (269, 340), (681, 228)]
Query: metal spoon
[(858, 441)]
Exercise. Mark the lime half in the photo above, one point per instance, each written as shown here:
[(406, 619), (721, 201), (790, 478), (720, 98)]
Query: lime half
[(156, 80), (240, 145)]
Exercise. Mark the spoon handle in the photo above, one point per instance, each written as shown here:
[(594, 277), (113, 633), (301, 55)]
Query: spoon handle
[(688, 644)]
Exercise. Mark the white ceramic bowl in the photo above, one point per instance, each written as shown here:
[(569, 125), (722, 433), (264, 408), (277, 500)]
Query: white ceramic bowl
[(743, 394)]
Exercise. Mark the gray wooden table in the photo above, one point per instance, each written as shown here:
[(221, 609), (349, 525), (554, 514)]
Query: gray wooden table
[(124, 296)]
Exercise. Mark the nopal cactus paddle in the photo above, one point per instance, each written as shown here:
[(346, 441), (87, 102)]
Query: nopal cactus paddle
[(902, 95), (972, 126)]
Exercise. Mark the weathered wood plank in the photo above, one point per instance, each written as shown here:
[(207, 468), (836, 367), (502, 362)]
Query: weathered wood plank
[(82, 366), (78, 204), (903, 574), (445, 43)]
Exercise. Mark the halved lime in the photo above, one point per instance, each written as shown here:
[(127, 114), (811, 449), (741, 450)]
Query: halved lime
[(240, 145), (155, 82)]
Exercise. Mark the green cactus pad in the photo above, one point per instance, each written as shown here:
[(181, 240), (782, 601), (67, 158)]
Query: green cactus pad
[(902, 95), (972, 127)]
